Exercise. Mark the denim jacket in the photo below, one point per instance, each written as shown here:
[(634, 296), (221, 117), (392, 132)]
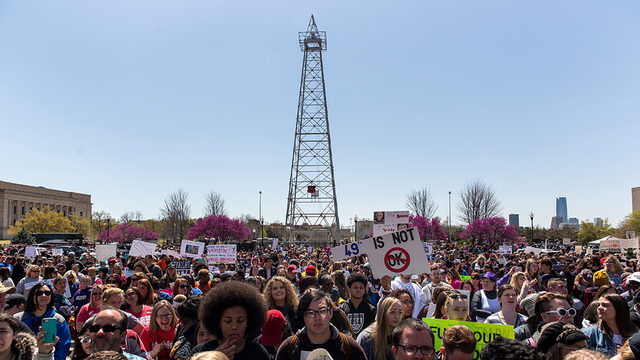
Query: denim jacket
[(600, 341)]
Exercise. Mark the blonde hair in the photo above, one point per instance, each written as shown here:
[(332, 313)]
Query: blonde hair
[(72, 274), (381, 331), (153, 324), (210, 355), (108, 292), (290, 299), (616, 263), (31, 268), (514, 280)]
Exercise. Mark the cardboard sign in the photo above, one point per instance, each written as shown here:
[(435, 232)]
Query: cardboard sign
[(381, 229), (191, 249), (57, 252), (32, 251), (141, 248), (183, 267), (505, 249), (531, 249), (175, 254), (346, 251), (105, 252), (566, 241), (428, 249), (484, 333), (274, 244), (396, 253), (221, 254), (578, 249)]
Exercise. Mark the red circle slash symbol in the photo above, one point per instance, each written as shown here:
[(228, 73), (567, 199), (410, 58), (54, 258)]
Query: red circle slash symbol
[(397, 260)]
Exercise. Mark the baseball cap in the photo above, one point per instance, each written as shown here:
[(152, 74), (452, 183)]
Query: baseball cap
[(633, 277), (489, 275), (272, 329), (7, 289), (310, 270), (15, 299), (292, 269)]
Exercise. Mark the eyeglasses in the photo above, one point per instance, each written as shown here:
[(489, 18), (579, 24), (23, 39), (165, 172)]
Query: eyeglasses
[(563, 312), (310, 314), (412, 349), (105, 328), (84, 339), (43, 293)]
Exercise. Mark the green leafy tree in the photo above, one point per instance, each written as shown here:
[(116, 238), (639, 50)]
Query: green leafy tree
[(632, 221), (23, 237), (590, 232)]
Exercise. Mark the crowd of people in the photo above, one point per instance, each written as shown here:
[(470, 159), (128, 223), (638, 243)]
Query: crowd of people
[(292, 303)]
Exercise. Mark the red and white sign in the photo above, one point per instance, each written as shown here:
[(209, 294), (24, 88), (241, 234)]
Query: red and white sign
[(396, 253)]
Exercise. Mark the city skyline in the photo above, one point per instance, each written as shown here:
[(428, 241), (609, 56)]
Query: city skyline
[(130, 102)]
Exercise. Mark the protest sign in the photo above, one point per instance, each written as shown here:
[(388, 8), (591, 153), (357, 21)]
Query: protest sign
[(465, 277), (274, 244), (346, 251), (578, 249), (105, 252), (221, 254), (428, 249), (629, 234), (183, 267), (505, 249), (175, 254), (57, 252), (30, 252), (381, 229), (531, 249), (629, 243), (140, 248), (396, 217), (610, 245), (191, 249), (484, 333), (566, 241), (396, 253)]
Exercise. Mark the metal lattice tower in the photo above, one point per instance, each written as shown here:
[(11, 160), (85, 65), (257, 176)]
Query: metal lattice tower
[(312, 187)]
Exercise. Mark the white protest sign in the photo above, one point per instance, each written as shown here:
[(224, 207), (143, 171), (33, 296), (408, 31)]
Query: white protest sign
[(531, 249), (428, 248), (502, 260), (171, 253), (629, 234), (381, 229), (396, 217), (309, 249), (578, 249), (629, 243), (105, 252), (128, 272), (566, 241), (505, 249), (183, 267), (30, 252), (346, 251), (396, 253), (57, 252), (191, 249), (140, 248), (221, 254), (274, 244)]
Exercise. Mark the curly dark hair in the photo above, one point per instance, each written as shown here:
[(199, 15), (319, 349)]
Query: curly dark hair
[(230, 294), (509, 349), (357, 277)]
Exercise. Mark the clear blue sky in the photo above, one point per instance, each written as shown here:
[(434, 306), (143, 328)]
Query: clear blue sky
[(131, 100)]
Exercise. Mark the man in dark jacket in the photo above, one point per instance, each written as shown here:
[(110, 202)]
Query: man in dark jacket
[(360, 313)]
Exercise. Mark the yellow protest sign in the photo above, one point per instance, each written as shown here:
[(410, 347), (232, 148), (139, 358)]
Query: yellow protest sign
[(484, 333)]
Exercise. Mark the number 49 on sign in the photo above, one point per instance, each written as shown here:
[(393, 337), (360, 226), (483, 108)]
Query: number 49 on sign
[(346, 251)]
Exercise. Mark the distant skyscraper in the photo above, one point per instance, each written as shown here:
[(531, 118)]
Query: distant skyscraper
[(597, 221), (555, 222), (514, 220), (635, 198), (561, 209)]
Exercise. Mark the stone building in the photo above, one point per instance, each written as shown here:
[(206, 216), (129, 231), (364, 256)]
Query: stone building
[(16, 200), (635, 198)]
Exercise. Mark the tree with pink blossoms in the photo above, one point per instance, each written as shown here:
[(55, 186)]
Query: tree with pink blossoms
[(219, 227), (127, 232), (429, 229), (492, 231)]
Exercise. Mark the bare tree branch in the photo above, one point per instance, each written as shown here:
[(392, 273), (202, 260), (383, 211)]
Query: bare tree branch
[(478, 201), (214, 204), (176, 213), (421, 203)]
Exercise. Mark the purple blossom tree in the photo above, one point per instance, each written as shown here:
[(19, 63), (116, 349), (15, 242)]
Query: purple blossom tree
[(219, 227), (493, 231), (127, 232), (429, 229)]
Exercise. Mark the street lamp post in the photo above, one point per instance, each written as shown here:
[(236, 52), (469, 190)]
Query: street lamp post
[(449, 216), (355, 219), (108, 228), (260, 219), (531, 216)]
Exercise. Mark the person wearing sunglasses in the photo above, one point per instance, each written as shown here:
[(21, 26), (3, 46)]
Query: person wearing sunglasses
[(26, 283), (549, 307), (92, 308), (40, 305), (456, 307), (182, 286), (82, 343), (107, 332), (507, 314), (136, 307)]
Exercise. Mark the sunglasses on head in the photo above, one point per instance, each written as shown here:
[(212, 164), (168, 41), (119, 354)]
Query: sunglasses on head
[(105, 328), (563, 312)]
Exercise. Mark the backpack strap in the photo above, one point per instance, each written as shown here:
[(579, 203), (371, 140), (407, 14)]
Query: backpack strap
[(346, 347), (293, 345)]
